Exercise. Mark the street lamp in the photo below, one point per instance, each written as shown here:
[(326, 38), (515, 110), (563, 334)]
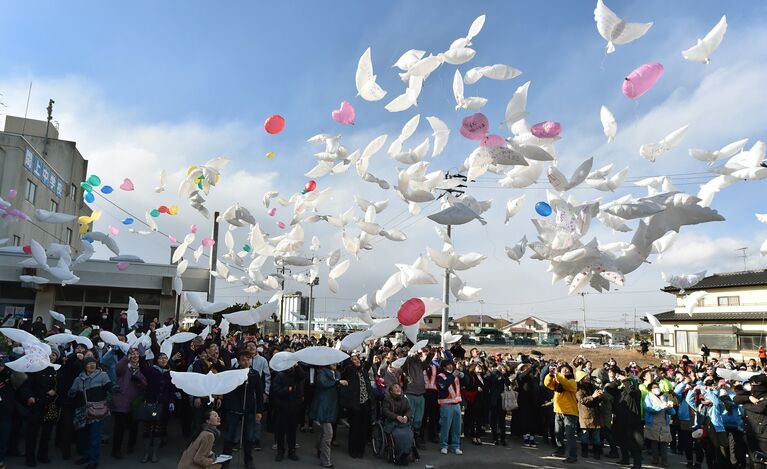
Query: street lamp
[(481, 313)]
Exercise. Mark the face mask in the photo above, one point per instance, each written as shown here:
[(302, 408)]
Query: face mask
[(18, 350), (103, 316), (747, 387), (260, 349), (100, 344), (656, 391)]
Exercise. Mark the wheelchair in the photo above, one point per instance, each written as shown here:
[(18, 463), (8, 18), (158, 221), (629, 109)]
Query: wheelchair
[(382, 442)]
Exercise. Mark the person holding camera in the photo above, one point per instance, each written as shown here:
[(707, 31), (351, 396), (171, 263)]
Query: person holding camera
[(565, 411)]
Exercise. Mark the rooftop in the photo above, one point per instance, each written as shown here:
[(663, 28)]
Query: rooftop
[(746, 278), (672, 317)]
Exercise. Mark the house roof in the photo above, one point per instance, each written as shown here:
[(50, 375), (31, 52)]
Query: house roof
[(746, 278), (519, 329), (672, 317), (475, 318)]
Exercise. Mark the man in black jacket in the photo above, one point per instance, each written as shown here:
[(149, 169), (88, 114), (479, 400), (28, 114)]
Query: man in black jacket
[(246, 402), (286, 396), (6, 407), (36, 393), (754, 403)]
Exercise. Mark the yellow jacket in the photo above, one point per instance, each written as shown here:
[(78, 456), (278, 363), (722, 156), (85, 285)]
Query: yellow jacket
[(564, 397)]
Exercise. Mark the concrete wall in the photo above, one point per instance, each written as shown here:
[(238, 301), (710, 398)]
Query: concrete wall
[(751, 299)]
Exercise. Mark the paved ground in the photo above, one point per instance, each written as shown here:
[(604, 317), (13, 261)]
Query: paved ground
[(486, 457)]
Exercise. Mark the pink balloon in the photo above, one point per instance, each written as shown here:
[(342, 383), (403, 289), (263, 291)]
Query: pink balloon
[(12, 194), (493, 141), (411, 311), (127, 185), (271, 212), (641, 80), (546, 129), (281, 225), (207, 242), (475, 126), (122, 266), (193, 228), (172, 238), (344, 115), (114, 231)]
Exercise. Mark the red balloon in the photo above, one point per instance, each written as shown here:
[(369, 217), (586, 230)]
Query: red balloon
[(310, 186), (163, 209), (274, 124), (27, 249), (411, 312)]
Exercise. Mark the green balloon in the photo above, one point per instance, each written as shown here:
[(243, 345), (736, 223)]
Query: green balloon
[(246, 248), (155, 213), (86, 187), (94, 180)]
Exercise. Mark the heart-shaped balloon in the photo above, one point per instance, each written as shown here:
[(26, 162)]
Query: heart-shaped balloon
[(122, 266), (271, 212), (127, 185), (113, 231), (475, 126), (546, 129), (344, 115), (493, 141), (207, 242)]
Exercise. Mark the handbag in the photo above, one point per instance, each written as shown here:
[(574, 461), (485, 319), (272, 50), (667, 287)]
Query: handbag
[(509, 400), (95, 410), (150, 411)]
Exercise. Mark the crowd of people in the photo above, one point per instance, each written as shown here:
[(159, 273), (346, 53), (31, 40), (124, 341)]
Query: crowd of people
[(710, 412)]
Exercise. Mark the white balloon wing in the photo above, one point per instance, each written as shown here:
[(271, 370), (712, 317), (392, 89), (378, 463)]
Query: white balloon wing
[(615, 30), (367, 88), (57, 316), (249, 317), (609, 124), (18, 335), (320, 356), (702, 50), (691, 301), (199, 385)]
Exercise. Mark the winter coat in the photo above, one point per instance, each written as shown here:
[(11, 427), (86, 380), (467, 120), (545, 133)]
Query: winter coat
[(349, 396), (324, 408), (7, 394), (526, 416), (159, 387), (251, 391), (588, 406), (606, 409), (130, 386), (198, 454), (413, 370), (287, 390), (627, 421), (754, 418), (395, 406), (564, 394)]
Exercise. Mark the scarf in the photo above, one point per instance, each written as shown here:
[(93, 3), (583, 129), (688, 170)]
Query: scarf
[(161, 369), (210, 428)]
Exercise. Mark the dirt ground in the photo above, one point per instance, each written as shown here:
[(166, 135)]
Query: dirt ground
[(568, 352)]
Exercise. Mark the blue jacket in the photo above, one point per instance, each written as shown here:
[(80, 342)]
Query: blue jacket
[(651, 410), (324, 408), (733, 413), (713, 413), (684, 407)]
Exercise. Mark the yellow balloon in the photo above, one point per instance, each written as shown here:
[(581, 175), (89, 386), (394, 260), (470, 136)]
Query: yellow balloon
[(173, 209), (189, 171), (271, 155)]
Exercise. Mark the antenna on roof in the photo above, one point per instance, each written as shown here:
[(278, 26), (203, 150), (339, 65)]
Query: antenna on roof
[(745, 256)]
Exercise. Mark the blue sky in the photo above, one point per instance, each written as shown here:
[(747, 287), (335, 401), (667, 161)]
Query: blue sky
[(185, 81)]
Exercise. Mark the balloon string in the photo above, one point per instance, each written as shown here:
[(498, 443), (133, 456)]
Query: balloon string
[(602, 63)]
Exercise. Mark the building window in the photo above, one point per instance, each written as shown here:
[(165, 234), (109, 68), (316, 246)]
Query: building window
[(751, 342), (31, 192), (663, 340), (700, 302), (686, 341), (73, 192), (728, 301), (69, 236), (16, 240), (54, 206)]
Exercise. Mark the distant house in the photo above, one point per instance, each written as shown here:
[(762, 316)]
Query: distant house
[(731, 319), (433, 322), (535, 328)]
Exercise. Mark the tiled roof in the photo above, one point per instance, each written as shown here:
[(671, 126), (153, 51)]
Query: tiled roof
[(744, 278), (672, 317)]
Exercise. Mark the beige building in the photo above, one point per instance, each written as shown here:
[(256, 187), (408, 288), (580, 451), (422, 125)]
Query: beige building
[(731, 319), (46, 174), (534, 328)]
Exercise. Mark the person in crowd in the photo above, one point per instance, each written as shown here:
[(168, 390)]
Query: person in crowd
[(610, 393), (287, 394), (92, 391), (65, 430), (430, 423), (589, 399), (565, 410), (705, 352), (526, 415), (244, 408), (159, 402), (415, 386), (38, 393), (497, 383), (471, 390), (449, 400), (127, 395), (628, 423), (38, 328), (753, 397), (6, 407), (199, 454), (324, 409), (261, 366), (356, 398), (457, 351), (658, 409), (397, 414)]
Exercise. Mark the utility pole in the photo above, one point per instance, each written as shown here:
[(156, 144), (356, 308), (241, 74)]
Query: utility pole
[(635, 323), (310, 310), (213, 260), (47, 127), (446, 286), (743, 250), (280, 327), (481, 313), (583, 300)]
